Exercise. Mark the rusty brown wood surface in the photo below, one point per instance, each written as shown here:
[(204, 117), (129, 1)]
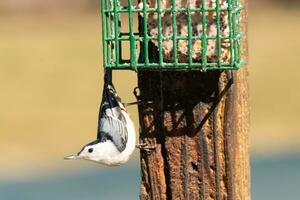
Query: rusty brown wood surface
[(198, 123)]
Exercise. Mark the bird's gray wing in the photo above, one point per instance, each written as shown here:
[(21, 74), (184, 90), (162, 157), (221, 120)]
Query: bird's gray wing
[(111, 128)]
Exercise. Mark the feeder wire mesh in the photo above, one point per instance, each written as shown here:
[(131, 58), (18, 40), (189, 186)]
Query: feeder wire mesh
[(172, 34)]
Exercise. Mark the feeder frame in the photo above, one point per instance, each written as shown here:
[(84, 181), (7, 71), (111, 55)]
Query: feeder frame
[(147, 59)]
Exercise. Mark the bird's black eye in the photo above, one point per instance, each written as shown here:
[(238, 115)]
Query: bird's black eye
[(90, 150)]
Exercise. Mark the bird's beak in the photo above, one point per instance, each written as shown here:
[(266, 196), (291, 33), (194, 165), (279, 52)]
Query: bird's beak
[(72, 157)]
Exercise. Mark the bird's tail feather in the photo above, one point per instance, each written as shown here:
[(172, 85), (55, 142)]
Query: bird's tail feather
[(107, 76), (110, 98)]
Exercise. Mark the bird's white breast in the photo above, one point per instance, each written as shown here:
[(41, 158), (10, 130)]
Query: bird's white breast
[(106, 152)]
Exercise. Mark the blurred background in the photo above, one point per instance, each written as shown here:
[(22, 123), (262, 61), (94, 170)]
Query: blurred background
[(50, 89)]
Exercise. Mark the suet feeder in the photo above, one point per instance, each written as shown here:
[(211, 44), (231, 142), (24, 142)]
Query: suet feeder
[(172, 35)]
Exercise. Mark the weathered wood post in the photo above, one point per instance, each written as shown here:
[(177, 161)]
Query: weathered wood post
[(198, 123)]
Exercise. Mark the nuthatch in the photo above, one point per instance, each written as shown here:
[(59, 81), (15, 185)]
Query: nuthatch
[(116, 134)]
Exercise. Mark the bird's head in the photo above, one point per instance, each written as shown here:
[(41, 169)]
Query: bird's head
[(91, 151)]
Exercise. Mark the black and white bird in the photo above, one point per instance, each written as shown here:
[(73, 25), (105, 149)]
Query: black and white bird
[(116, 134)]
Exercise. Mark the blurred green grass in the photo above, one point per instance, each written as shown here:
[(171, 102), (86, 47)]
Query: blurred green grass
[(51, 82)]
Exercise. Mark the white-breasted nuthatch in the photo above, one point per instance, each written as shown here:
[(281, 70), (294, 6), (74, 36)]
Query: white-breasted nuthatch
[(116, 134)]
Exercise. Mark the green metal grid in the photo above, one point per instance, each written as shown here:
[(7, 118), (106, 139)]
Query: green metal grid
[(146, 59)]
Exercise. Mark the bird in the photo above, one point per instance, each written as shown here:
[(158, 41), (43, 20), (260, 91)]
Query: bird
[(116, 133)]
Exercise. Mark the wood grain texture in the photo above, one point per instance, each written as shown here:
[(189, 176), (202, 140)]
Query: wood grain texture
[(198, 123)]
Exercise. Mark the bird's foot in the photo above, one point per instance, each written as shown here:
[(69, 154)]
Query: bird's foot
[(146, 147)]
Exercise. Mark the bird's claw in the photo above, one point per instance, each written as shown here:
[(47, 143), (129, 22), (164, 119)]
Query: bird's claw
[(146, 147)]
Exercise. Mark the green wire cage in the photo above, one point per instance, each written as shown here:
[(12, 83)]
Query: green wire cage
[(171, 34)]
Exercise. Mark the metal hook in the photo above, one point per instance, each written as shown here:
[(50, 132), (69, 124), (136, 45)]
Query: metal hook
[(136, 92), (137, 96)]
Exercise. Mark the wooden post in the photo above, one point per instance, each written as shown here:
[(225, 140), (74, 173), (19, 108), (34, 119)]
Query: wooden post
[(198, 123)]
